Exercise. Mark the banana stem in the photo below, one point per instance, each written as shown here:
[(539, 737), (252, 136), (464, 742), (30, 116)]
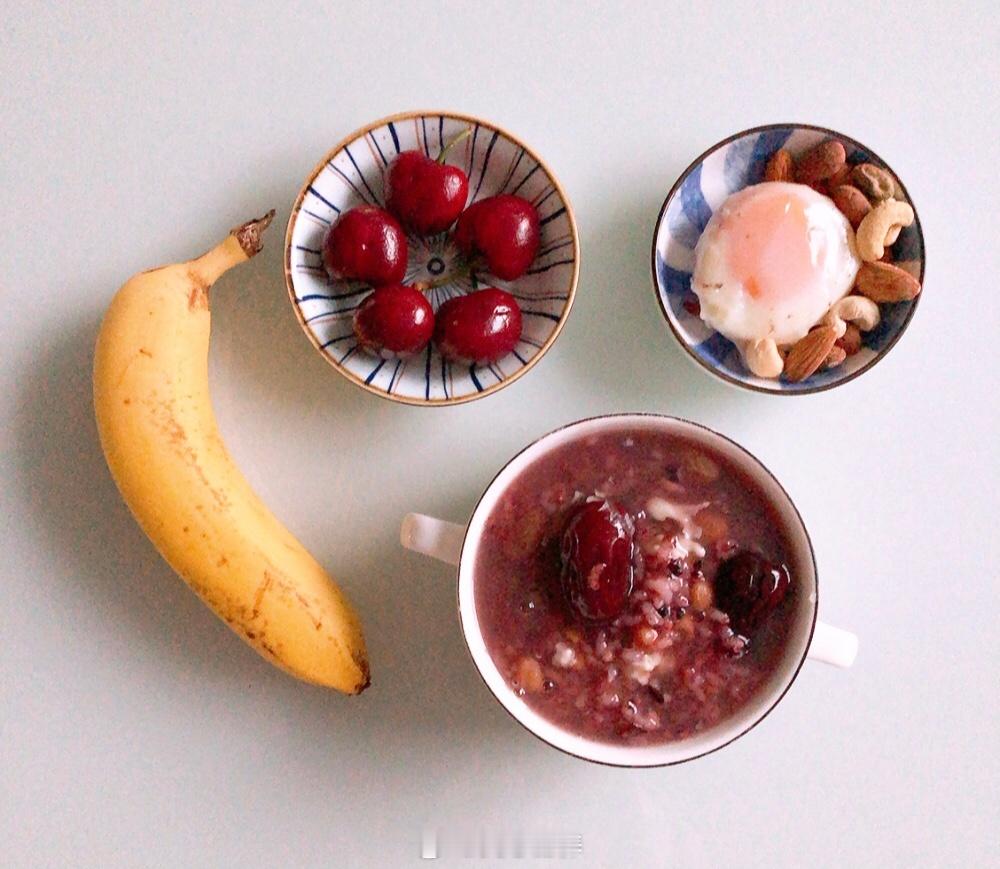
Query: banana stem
[(249, 234), (242, 243), (452, 143)]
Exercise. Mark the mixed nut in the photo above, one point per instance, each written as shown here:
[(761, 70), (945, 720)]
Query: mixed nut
[(866, 195)]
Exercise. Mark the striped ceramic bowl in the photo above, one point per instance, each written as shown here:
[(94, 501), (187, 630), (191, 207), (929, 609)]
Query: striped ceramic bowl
[(352, 174), (731, 165)]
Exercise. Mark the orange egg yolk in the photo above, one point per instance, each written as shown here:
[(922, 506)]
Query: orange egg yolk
[(768, 247)]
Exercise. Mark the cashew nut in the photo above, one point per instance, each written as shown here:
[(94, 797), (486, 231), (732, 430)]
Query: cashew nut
[(877, 227), (832, 318), (859, 310), (762, 357)]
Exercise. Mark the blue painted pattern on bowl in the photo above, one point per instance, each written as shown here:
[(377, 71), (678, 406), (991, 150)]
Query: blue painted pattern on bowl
[(726, 168), (352, 174)]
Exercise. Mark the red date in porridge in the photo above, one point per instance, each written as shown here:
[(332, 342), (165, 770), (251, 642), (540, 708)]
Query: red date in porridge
[(635, 587)]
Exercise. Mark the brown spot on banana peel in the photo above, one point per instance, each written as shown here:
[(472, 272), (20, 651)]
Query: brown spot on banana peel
[(259, 596), (121, 377), (198, 297), (317, 623), (178, 438)]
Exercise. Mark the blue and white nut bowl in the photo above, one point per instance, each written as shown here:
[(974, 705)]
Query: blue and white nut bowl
[(724, 169)]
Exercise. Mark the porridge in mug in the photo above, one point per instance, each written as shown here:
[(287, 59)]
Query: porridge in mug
[(635, 586)]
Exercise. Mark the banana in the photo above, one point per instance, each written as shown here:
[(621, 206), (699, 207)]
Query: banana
[(163, 447)]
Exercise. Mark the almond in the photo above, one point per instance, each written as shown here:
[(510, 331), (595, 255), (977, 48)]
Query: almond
[(853, 204), (910, 266), (809, 353), (850, 341), (841, 176), (884, 282), (821, 162), (779, 167), (873, 181), (835, 357)]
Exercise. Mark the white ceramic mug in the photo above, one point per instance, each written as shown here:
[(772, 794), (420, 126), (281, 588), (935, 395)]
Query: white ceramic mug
[(808, 638)]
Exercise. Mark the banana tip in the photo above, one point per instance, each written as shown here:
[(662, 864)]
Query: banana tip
[(250, 234)]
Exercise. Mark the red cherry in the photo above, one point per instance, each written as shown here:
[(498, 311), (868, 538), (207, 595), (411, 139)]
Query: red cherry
[(424, 194), (504, 229), (394, 321), (367, 244), (479, 327), (597, 557), (749, 588)]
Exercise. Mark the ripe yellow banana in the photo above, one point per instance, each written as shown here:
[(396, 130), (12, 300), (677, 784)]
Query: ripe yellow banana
[(160, 438)]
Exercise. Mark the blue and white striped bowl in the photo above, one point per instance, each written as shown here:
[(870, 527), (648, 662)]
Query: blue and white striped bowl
[(727, 167), (352, 174)]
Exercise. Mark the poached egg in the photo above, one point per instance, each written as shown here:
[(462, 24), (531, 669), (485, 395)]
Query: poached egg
[(771, 262)]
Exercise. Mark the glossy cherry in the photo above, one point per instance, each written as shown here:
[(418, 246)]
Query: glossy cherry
[(749, 588), (366, 244), (597, 559), (481, 326), (426, 195), (505, 230), (394, 321)]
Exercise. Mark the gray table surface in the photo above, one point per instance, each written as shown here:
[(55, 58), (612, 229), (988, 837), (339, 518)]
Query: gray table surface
[(136, 731)]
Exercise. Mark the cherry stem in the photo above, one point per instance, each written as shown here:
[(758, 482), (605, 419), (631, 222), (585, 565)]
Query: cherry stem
[(452, 143)]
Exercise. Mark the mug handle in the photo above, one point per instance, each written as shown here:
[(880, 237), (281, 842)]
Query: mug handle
[(434, 537), (443, 541), (833, 645)]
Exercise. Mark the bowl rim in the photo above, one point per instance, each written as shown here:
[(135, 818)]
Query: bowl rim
[(655, 418), (359, 133), (712, 369)]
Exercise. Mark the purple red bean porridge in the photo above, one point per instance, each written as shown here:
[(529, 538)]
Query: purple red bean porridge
[(635, 587)]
